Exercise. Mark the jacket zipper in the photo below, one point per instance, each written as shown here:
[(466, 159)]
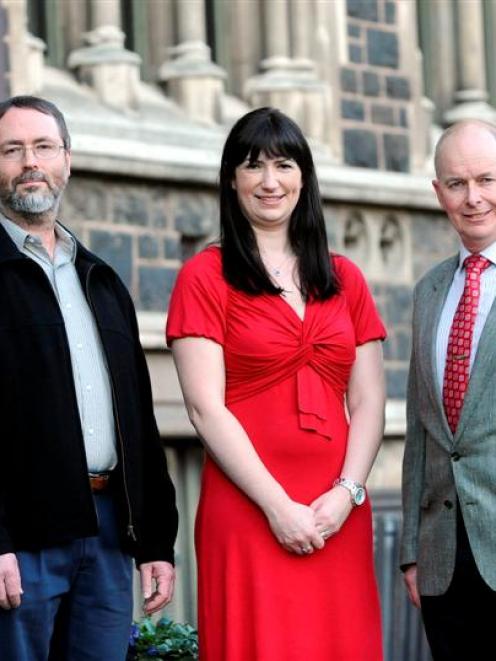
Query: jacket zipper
[(130, 525)]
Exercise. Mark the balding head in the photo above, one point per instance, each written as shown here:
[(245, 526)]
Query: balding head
[(454, 131), (466, 181)]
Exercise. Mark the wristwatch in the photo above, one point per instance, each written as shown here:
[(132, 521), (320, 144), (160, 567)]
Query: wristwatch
[(357, 491)]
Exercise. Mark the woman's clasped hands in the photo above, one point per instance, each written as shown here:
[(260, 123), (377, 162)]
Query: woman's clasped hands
[(303, 529)]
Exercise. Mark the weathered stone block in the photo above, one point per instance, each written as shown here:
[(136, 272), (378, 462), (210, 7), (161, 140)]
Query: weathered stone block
[(159, 216), (116, 249), (390, 12), (397, 152), (172, 248), (155, 286), (351, 109), (383, 115), (382, 49), (355, 53), (360, 148), (354, 30), (403, 117), (403, 344), (348, 80), (398, 305), (159, 207), (148, 247), (371, 84), (193, 217), (364, 9), (84, 199), (396, 380), (130, 208), (398, 87), (433, 240)]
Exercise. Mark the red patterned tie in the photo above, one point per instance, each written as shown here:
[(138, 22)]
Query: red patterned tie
[(456, 373)]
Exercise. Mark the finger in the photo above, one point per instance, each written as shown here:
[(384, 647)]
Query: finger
[(317, 541), (13, 589), (4, 602), (165, 585), (146, 581), (305, 549), (155, 603), (413, 594)]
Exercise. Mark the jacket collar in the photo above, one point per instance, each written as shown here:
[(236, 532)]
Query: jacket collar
[(9, 251)]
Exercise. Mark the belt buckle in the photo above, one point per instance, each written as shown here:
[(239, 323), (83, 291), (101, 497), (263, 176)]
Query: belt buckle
[(98, 481)]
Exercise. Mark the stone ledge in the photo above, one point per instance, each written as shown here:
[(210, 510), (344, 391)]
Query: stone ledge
[(200, 165)]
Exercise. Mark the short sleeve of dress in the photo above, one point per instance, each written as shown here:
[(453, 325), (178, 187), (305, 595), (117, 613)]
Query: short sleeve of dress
[(198, 302), (364, 315)]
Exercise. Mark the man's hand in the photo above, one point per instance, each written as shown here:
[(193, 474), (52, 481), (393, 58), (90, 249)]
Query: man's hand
[(164, 576), (10, 582), (410, 578)]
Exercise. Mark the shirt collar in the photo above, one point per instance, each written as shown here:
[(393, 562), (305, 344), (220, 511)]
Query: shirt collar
[(489, 253), (20, 236)]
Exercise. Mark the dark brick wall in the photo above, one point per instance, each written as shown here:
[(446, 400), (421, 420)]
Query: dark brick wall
[(142, 229), (375, 89)]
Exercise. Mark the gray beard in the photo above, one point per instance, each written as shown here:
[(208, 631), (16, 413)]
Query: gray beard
[(32, 204)]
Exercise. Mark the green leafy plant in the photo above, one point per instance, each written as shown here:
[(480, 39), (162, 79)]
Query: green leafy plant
[(162, 640)]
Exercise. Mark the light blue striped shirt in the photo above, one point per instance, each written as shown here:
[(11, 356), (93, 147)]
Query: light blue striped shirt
[(89, 368), (487, 294)]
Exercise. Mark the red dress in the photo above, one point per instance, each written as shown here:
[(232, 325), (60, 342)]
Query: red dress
[(285, 383)]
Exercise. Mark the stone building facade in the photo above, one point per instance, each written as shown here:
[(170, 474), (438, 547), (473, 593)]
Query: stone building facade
[(150, 88)]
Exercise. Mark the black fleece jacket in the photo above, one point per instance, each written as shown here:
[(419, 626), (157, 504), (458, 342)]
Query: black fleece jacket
[(45, 497)]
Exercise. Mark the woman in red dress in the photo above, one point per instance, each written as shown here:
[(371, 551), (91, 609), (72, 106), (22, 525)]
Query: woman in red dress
[(277, 348)]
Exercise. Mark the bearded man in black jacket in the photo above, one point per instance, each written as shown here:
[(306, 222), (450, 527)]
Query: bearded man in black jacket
[(84, 485)]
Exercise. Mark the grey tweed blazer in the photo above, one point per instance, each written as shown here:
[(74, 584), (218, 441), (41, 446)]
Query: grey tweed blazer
[(438, 466)]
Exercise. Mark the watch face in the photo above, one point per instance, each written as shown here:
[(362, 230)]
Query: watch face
[(360, 496)]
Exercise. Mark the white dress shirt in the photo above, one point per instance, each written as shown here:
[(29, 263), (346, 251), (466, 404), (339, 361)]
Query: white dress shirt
[(487, 294)]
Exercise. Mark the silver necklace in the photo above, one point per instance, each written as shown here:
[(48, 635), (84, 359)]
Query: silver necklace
[(277, 270)]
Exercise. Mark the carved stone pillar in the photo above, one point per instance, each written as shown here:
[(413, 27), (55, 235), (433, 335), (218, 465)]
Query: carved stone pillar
[(190, 76), (471, 95), (25, 52), (104, 63), (289, 78)]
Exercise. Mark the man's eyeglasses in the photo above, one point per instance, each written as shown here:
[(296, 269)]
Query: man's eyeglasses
[(44, 151)]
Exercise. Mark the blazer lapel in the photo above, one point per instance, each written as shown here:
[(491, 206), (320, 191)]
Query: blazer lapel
[(430, 315)]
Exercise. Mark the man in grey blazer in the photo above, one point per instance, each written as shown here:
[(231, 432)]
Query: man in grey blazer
[(448, 550)]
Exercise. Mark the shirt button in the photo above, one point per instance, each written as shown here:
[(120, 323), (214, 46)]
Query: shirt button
[(455, 456), (88, 387), (68, 306), (448, 504), (79, 345), (91, 430)]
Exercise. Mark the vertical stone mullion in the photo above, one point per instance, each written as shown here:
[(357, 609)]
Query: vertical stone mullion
[(489, 21), (471, 94), (104, 63), (192, 79), (439, 55), (472, 69), (276, 31), (160, 29), (300, 22), (191, 24), (245, 43), (105, 13)]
